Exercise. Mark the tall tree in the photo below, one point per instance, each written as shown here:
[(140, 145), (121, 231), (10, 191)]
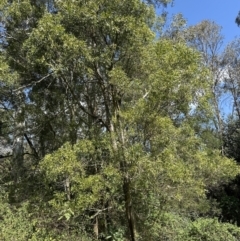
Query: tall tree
[(231, 81), (206, 37), (228, 195)]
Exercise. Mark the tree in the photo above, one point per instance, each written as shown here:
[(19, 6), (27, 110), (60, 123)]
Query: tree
[(206, 37), (227, 195), (231, 82)]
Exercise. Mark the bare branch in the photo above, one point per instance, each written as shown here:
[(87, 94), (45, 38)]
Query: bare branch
[(33, 83)]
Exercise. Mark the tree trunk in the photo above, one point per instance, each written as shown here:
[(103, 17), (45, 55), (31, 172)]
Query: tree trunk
[(18, 139), (129, 208), (219, 125), (126, 183)]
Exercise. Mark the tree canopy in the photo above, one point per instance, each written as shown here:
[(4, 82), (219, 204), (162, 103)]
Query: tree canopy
[(105, 122)]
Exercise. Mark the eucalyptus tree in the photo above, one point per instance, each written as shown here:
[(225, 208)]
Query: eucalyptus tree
[(206, 37), (231, 82), (228, 194)]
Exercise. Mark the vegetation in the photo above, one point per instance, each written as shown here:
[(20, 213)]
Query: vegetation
[(111, 125)]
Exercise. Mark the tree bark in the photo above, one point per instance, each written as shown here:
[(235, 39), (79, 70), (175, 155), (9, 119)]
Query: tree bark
[(126, 183), (129, 208), (18, 139)]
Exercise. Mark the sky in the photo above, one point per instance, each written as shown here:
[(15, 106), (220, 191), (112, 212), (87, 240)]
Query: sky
[(222, 12)]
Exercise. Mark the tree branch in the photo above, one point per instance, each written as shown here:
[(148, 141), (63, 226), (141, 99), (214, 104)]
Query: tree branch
[(33, 83), (31, 146)]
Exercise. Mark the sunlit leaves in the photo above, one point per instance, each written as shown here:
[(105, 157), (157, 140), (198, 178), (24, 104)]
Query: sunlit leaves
[(7, 77), (111, 111)]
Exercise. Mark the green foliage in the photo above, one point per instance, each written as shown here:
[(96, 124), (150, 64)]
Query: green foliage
[(7, 77), (110, 119), (20, 222), (231, 139), (65, 164), (15, 223), (212, 230), (176, 228)]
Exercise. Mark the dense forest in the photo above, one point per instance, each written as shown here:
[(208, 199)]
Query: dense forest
[(111, 124)]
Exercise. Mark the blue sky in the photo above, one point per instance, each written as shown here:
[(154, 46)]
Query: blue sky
[(222, 12)]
